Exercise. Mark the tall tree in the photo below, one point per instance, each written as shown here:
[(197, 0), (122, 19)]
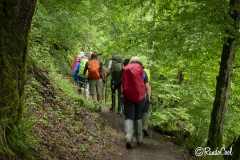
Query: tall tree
[(215, 135), (15, 17)]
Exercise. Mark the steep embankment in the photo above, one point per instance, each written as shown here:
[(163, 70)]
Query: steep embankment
[(63, 127)]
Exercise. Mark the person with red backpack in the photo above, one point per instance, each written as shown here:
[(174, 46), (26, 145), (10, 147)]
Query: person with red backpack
[(134, 87), (75, 66), (80, 78), (95, 78)]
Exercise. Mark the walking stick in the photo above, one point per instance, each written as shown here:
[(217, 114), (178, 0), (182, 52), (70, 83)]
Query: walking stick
[(120, 114), (113, 104), (105, 95)]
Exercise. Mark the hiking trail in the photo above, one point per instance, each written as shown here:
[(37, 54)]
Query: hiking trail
[(160, 147)]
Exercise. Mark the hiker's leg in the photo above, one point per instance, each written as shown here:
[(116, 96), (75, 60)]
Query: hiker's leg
[(79, 87), (87, 85), (87, 90), (113, 96), (138, 120), (145, 123), (92, 90), (119, 100), (99, 84), (129, 113), (90, 97), (81, 84), (129, 108), (94, 98), (138, 109), (145, 117), (129, 132), (99, 97)]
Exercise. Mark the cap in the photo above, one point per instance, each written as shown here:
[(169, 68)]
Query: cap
[(135, 59)]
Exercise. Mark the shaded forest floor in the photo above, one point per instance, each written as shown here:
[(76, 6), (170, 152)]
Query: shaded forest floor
[(64, 129)]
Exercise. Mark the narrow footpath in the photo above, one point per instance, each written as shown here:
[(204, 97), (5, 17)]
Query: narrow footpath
[(159, 147)]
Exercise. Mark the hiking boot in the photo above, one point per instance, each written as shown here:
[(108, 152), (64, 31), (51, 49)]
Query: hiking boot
[(111, 109), (145, 124), (138, 131), (129, 132), (145, 133)]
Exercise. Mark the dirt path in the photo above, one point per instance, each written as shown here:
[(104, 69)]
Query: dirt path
[(160, 147)]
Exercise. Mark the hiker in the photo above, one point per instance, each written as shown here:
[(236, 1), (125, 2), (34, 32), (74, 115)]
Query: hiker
[(114, 67), (95, 80), (146, 108), (117, 84), (82, 79), (134, 86), (120, 74), (89, 55), (109, 67), (76, 60)]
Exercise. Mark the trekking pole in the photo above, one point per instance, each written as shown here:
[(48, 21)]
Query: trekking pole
[(113, 105), (105, 95), (121, 109), (120, 114), (104, 98)]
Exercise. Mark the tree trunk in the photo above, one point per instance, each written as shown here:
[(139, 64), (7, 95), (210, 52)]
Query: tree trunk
[(215, 135), (234, 147), (15, 17)]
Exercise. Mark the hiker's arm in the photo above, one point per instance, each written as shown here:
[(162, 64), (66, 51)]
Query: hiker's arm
[(104, 73), (109, 68), (75, 71), (85, 69), (148, 88)]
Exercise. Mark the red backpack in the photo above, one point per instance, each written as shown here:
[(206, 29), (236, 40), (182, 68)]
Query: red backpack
[(93, 69), (133, 86), (75, 62)]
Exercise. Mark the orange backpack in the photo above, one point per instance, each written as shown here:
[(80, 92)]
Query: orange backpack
[(93, 69)]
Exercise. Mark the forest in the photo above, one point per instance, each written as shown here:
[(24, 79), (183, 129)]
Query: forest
[(189, 46)]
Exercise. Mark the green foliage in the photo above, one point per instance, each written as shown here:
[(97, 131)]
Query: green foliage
[(192, 142), (168, 36), (84, 149), (22, 141), (168, 118)]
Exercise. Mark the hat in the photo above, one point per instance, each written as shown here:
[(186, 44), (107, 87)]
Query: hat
[(81, 54), (135, 59), (90, 54)]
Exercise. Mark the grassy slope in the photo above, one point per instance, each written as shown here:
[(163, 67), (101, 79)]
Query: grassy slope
[(65, 126)]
